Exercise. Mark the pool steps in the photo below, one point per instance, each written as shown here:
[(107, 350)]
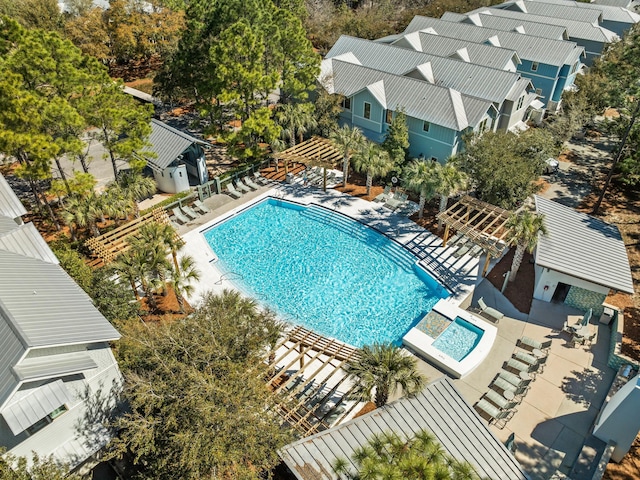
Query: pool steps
[(398, 254)]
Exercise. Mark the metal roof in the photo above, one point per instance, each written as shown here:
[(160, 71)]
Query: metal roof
[(608, 12), (536, 49), (12, 349), (439, 408), (49, 366), (491, 17), (471, 79), (529, 27), (46, 306), (25, 240), (10, 205), (419, 99), (33, 407), (554, 8), (479, 53), (582, 246), (168, 143)]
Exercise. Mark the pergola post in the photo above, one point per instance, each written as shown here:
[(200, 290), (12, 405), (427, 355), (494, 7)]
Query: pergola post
[(486, 264), (446, 236)]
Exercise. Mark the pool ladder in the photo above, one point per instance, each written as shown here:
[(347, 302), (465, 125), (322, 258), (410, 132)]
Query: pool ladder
[(229, 276)]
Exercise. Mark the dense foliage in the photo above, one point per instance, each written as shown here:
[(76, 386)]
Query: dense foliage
[(37, 468), (199, 407)]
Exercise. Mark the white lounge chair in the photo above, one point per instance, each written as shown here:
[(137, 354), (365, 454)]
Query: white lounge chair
[(242, 187), (189, 212), (179, 215), (260, 179), (231, 190), (384, 196), (251, 184), (201, 207), (492, 312)]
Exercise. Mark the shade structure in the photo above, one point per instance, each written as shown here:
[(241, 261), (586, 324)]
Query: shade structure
[(315, 151)]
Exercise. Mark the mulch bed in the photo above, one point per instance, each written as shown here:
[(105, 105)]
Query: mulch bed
[(520, 291)]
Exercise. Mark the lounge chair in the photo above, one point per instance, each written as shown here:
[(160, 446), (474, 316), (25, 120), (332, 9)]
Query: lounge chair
[(514, 380), (189, 212), (530, 344), (179, 215), (398, 200), (499, 401), (518, 367), (505, 386), (242, 187), (250, 182), (462, 250), (260, 179), (383, 197), (525, 358), (494, 413), (231, 190), (201, 207), (492, 312)]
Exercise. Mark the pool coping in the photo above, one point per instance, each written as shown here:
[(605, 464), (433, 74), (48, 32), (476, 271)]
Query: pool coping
[(422, 344)]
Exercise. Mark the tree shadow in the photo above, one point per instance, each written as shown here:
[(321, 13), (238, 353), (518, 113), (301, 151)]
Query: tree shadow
[(582, 386)]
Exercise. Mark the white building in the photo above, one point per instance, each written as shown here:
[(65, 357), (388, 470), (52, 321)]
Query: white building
[(580, 260), (57, 371)]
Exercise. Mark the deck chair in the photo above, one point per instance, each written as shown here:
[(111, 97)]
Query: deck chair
[(513, 379), (525, 358), (464, 248), (384, 195), (530, 344), (189, 212), (242, 187), (496, 416), (201, 207), (231, 190), (516, 366), (492, 312), (251, 183), (179, 215), (260, 179), (498, 400)]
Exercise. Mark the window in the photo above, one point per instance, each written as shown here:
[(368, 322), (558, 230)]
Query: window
[(40, 424), (520, 102), (57, 412), (346, 103), (574, 68), (539, 91), (483, 126), (426, 126), (367, 110), (180, 173), (534, 66), (434, 159), (389, 116)]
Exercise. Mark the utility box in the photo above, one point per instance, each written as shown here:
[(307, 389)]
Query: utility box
[(290, 177), (607, 314)]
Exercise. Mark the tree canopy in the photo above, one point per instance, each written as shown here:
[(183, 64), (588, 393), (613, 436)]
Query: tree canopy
[(199, 405), (35, 468)]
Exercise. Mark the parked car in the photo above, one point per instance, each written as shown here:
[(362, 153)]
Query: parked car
[(550, 166)]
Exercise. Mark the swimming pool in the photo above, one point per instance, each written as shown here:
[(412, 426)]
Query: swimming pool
[(324, 271), (459, 339)]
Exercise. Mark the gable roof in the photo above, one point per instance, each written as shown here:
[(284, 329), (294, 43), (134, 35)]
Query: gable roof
[(419, 99), (446, 46), (439, 408), (582, 246), (542, 50), (10, 205), (576, 29), (527, 27), (168, 143), (468, 78), (556, 9), (608, 12)]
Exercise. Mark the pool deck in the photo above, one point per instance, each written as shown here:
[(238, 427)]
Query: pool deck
[(555, 417)]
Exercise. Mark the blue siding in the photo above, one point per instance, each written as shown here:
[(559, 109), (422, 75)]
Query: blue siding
[(544, 78), (592, 48), (374, 123), (619, 27), (438, 142)]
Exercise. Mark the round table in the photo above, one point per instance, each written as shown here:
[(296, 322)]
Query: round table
[(524, 375), (538, 353), (508, 394)]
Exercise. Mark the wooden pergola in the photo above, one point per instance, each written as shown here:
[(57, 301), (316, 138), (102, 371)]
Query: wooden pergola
[(481, 223), (317, 152), (108, 246), (304, 398)]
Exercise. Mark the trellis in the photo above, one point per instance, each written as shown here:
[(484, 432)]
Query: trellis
[(108, 246), (481, 223), (300, 401), (315, 151)]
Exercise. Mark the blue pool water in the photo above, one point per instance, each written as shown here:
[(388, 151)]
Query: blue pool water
[(458, 339), (324, 271)]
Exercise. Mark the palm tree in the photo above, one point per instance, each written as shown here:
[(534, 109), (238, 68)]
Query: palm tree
[(372, 160), (384, 368), (182, 278), (524, 231), (387, 455), (136, 187), (127, 267), (296, 119), (450, 181), (421, 177), (153, 232), (348, 140)]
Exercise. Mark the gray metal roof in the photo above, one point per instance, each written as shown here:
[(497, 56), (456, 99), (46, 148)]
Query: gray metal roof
[(444, 46), (491, 17), (471, 79), (439, 408), (34, 407), (608, 12), (419, 99), (46, 306), (25, 240), (49, 366), (529, 27), (10, 205), (12, 349), (554, 8), (536, 49), (582, 246), (168, 143), (628, 4)]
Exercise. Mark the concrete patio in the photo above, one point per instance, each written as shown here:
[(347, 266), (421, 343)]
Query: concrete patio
[(554, 419)]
